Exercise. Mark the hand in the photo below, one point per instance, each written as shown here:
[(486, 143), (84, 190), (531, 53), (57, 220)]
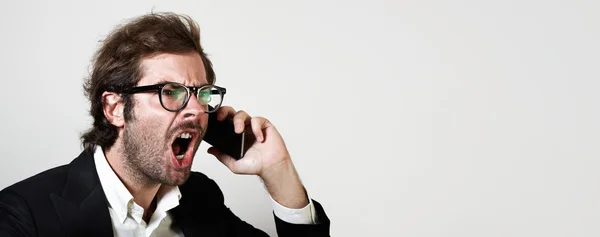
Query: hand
[(267, 152), (268, 158)]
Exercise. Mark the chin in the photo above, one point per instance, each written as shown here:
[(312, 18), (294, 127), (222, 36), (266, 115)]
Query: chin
[(179, 177)]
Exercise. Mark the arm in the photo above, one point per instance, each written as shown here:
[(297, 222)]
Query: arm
[(269, 159), (296, 214), (15, 218)]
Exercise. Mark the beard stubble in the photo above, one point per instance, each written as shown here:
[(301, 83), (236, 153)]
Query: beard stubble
[(147, 154)]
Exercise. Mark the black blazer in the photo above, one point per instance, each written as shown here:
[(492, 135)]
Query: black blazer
[(69, 201)]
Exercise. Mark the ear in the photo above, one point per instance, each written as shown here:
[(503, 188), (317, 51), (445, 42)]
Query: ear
[(112, 104)]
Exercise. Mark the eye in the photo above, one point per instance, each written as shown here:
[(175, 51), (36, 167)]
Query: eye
[(174, 93), (204, 96), (167, 92)]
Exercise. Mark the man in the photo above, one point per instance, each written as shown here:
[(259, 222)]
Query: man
[(151, 91)]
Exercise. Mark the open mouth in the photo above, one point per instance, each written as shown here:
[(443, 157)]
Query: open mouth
[(181, 145)]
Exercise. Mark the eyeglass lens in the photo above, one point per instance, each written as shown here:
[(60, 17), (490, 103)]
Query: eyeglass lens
[(174, 96)]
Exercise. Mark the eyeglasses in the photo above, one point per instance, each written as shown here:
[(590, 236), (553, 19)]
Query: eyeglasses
[(174, 96)]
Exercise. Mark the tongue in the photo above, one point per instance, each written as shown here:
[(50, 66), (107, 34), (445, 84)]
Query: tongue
[(176, 148)]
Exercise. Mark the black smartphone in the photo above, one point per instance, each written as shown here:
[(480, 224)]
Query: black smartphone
[(221, 135)]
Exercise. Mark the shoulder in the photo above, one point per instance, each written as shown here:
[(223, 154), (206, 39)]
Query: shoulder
[(51, 180), (200, 185), (20, 201), (199, 182)]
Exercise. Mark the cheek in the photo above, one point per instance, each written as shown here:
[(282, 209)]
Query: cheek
[(148, 102), (204, 122), (152, 127), (154, 117)]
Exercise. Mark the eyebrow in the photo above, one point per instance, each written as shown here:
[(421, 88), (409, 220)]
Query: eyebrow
[(164, 81)]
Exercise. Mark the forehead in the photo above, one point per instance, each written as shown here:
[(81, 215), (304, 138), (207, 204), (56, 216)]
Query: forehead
[(186, 68)]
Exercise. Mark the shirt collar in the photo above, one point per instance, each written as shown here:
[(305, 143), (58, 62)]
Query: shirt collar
[(119, 198)]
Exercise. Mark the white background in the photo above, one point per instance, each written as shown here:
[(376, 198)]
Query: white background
[(404, 118)]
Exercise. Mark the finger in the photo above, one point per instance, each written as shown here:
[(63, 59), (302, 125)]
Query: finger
[(222, 157), (224, 112), (239, 121), (257, 127)]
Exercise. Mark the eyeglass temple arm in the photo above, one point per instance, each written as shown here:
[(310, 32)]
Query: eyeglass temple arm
[(142, 89), (223, 90)]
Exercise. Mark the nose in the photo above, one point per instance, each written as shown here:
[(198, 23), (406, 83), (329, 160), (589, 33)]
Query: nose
[(193, 109)]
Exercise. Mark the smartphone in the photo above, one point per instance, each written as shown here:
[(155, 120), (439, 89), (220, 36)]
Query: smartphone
[(221, 135)]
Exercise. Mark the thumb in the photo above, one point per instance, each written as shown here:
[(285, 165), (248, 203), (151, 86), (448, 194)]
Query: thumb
[(222, 157)]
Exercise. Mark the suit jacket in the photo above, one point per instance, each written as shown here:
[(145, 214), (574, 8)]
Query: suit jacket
[(69, 201)]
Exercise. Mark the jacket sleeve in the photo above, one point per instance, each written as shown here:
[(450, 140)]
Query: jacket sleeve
[(320, 229), (15, 217)]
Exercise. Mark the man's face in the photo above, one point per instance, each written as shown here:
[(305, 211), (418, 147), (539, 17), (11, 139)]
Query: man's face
[(154, 136)]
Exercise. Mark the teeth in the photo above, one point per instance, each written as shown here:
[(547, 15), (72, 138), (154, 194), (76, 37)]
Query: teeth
[(179, 157), (185, 135)]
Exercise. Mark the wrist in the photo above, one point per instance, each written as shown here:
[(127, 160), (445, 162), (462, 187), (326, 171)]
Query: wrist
[(284, 185), (275, 171)]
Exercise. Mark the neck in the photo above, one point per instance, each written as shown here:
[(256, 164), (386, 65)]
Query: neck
[(143, 190)]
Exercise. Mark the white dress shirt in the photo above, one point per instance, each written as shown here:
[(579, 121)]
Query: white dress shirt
[(126, 215)]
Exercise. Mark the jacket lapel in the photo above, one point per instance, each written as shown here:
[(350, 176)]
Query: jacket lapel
[(82, 207)]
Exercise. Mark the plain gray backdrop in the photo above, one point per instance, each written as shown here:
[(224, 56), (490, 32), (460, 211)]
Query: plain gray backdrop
[(404, 118)]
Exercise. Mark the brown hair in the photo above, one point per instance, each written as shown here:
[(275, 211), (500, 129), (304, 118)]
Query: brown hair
[(116, 64)]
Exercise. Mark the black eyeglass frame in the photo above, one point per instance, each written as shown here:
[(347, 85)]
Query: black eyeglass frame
[(189, 90)]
